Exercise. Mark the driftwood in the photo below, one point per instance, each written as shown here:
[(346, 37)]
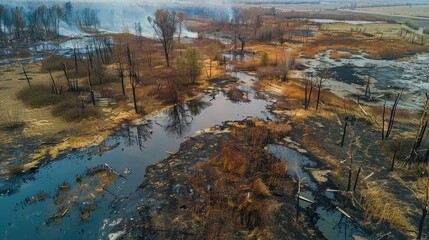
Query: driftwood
[(343, 212)]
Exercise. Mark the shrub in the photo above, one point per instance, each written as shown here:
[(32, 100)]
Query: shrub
[(232, 160), (189, 68), (285, 63), (70, 110), (260, 188), (264, 59), (37, 96), (411, 25)]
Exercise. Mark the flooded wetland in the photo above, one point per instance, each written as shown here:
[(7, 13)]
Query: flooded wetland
[(173, 120)]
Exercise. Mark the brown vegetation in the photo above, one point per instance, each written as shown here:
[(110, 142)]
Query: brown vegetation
[(352, 41), (244, 178)]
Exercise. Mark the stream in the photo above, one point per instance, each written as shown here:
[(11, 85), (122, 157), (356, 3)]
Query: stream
[(129, 152)]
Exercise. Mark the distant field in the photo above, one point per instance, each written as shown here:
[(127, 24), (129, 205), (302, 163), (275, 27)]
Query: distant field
[(387, 30), (412, 10)]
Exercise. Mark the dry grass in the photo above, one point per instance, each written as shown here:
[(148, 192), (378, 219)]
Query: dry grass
[(338, 55), (260, 188), (351, 41), (382, 206), (240, 204), (233, 161)]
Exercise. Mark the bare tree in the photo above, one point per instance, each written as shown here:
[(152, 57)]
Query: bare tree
[(139, 30), (121, 71), (322, 74), (307, 92), (213, 52), (285, 64), (424, 210), (180, 19), (134, 75), (165, 26)]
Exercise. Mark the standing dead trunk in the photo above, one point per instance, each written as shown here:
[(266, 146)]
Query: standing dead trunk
[(349, 184), (344, 132), (382, 123), (26, 76), (54, 85), (92, 97), (318, 94), (66, 74), (297, 198), (210, 70), (422, 222), (392, 116), (357, 178), (135, 98), (394, 157)]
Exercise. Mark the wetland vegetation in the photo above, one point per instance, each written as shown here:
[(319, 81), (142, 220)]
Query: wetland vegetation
[(238, 120)]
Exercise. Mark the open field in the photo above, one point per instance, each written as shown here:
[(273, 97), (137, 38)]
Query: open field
[(400, 11)]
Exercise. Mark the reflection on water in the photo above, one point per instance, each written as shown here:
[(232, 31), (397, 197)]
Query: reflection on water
[(129, 152), (180, 117)]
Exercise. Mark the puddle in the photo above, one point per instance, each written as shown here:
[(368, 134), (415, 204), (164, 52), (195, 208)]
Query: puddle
[(296, 163), (331, 222), (335, 226), (238, 57)]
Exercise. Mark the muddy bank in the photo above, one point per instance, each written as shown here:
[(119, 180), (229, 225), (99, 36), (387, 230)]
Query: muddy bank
[(173, 201)]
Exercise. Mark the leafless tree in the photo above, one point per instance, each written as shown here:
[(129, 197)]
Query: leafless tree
[(134, 75), (165, 25), (180, 19), (213, 51), (308, 89), (284, 64), (323, 74)]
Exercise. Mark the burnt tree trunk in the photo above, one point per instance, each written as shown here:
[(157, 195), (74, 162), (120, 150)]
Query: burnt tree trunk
[(422, 222), (394, 157), (382, 123), (344, 133), (54, 85), (134, 98), (357, 178), (318, 95), (26, 76)]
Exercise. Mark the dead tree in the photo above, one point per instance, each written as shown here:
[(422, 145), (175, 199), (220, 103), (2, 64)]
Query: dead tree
[(424, 211), (395, 152), (55, 89), (88, 66), (323, 75), (26, 76), (165, 26), (392, 116), (134, 75), (298, 197), (412, 156), (368, 88), (359, 170), (344, 131), (382, 123), (307, 92), (121, 73), (243, 41)]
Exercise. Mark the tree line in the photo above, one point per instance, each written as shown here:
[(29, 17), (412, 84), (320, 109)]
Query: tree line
[(39, 23)]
